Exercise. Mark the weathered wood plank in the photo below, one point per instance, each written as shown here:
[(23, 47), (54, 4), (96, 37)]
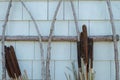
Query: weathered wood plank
[(58, 38)]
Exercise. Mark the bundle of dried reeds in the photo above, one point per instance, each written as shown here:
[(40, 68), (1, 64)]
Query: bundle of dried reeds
[(12, 63), (85, 55), (85, 58)]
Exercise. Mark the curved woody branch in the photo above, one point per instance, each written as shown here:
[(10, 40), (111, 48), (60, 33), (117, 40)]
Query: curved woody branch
[(3, 40)]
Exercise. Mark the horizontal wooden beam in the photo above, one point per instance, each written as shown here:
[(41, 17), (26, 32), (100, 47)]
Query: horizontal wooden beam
[(51, 0), (57, 38)]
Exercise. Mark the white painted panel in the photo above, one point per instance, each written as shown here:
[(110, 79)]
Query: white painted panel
[(72, 27), (1, 24), (60, 51), (44, 28), (17, 28), (16, 11), (117, 26), (115, 9), (103, 27), (37, 70), (37, 50), (3, 9), (102, 70), (25, 50), (0, 50), (92, 10), (103, 51), (100, 28), (112, 70), (37, 9), (28, 66), (73, 51), (68, 13), (119, 49), (61, 69), (52, 7), (61, 28)]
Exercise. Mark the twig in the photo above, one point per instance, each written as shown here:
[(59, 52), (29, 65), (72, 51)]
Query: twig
[(3, 40), (40, 41), (78, 33), (48, 77), (114, 39), (75, 19)]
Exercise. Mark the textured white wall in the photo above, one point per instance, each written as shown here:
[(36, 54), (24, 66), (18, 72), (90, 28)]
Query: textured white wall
[(93, 13)]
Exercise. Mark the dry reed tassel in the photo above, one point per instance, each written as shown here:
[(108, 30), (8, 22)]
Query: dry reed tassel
[(26, 74)]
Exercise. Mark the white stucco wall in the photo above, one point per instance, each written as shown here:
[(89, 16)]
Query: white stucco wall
[(93, 13)]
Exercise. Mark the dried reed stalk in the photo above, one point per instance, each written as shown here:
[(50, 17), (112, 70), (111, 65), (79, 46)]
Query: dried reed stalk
[(40, 41), (114, 39), (48, 77), (3, 40), (90, 51), (85, 47)]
